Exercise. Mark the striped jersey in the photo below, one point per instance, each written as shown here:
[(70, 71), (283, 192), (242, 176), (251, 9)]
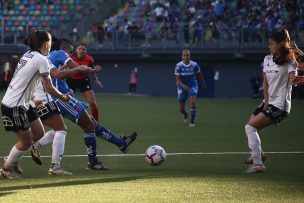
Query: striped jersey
[(30, 68), (188, 72)]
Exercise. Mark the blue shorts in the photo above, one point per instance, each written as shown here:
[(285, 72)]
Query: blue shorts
[(72, 110), (183, 95)]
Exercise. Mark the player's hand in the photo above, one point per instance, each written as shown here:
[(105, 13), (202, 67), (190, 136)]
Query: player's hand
[(265, 105), (38, 103), (186, 88), (298, 80), (67, 97), (97, 68), (98, 83)]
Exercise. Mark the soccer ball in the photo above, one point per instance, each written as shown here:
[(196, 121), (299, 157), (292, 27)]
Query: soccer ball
[(155, 155)]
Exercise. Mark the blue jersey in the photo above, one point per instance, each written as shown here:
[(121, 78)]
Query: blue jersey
[(59, 58), (188, 72)]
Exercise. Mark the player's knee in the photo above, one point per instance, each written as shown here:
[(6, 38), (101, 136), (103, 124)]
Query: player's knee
[(249, 129)]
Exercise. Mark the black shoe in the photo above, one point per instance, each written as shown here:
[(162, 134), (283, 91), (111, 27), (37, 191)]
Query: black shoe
[(128, 141), (35, 153), (249, 160), (97, 166)]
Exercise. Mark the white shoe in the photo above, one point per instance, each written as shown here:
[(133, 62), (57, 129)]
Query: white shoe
[(59, 171), (16, 168), (10, 174), (191, 125), (256, 168)]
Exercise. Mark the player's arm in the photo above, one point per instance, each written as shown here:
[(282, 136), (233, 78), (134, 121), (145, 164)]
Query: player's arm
[(266, 95), (179, 82), (95, 77), (201, 77), (49, 88)]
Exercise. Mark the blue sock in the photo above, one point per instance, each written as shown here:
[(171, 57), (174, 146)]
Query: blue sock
[(90, 142), (193, 113), (107, 135)]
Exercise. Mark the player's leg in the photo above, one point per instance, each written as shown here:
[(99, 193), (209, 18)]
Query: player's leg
[(89, 96), (192, 99), (76, 112), (182, 97), (88, 127), (122, 142), (256, 123)]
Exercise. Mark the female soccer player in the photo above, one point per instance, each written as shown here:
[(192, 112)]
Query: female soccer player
[(186, 72), (17, 114), (76, 111), (279, 73), (82, 82)]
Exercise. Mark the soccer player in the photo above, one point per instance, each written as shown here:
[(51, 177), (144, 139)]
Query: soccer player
[(50, 116), (82, 81), (186, 73), (17, 114), (279, 70), (76, 111)]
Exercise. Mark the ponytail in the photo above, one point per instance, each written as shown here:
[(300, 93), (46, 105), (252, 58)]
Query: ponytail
[(36, 39)]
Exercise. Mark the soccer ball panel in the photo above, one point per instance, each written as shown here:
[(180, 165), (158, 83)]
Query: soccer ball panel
[(155, 155)]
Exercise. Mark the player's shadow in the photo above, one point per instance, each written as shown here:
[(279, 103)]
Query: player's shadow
[(4, 190)]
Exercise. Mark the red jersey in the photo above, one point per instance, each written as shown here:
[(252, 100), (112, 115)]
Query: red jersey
[(87, 60)]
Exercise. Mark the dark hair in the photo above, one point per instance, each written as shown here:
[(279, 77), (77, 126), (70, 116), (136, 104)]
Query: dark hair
[(288, 51), (285, 52), (81, 44), (36, 39), (60, 43)]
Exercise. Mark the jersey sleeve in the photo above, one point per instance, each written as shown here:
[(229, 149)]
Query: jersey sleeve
[(90, 61), (265, 63), (63, 57), (197, 68), (292, 67), (177, 70), (43, 66)]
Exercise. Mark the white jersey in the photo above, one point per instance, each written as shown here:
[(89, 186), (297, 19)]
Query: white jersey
[(279, 86), (30, 68), (40, 93)]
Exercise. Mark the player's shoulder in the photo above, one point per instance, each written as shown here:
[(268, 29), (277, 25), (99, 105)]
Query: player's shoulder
[(194, 63), (36, 56), (268, 57), (89, 58), (179, 64)]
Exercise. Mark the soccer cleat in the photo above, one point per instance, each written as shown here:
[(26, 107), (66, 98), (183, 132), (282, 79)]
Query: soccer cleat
[(59, 171), (16, 168), (191, 125), (256, 168), (97, 166), (10, 174), (186, 118), (35, 153), (249, 159), (128, 141)]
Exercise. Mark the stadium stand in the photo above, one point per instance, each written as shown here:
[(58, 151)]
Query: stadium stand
[(199, 23)]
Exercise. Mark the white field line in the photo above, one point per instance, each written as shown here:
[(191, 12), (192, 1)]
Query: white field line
[(173, 154)]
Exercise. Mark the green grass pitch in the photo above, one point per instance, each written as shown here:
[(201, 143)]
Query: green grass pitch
[(181, 178)]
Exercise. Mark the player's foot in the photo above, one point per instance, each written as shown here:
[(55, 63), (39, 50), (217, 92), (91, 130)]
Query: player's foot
[(16, 168), (10, 174), (57, 170), (98, 166), (186, 118), (256, 168), (249, 159), (35, 153), (191, 125), (128, 141)]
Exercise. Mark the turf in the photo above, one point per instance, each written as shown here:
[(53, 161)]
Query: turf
[(181, 178)]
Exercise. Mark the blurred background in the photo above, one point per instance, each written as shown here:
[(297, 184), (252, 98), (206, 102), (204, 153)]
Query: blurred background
[(228, 38)]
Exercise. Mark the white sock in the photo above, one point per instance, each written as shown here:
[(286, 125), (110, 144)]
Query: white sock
[(58, 146), (14, 156), (47, 138), (254, 144)]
